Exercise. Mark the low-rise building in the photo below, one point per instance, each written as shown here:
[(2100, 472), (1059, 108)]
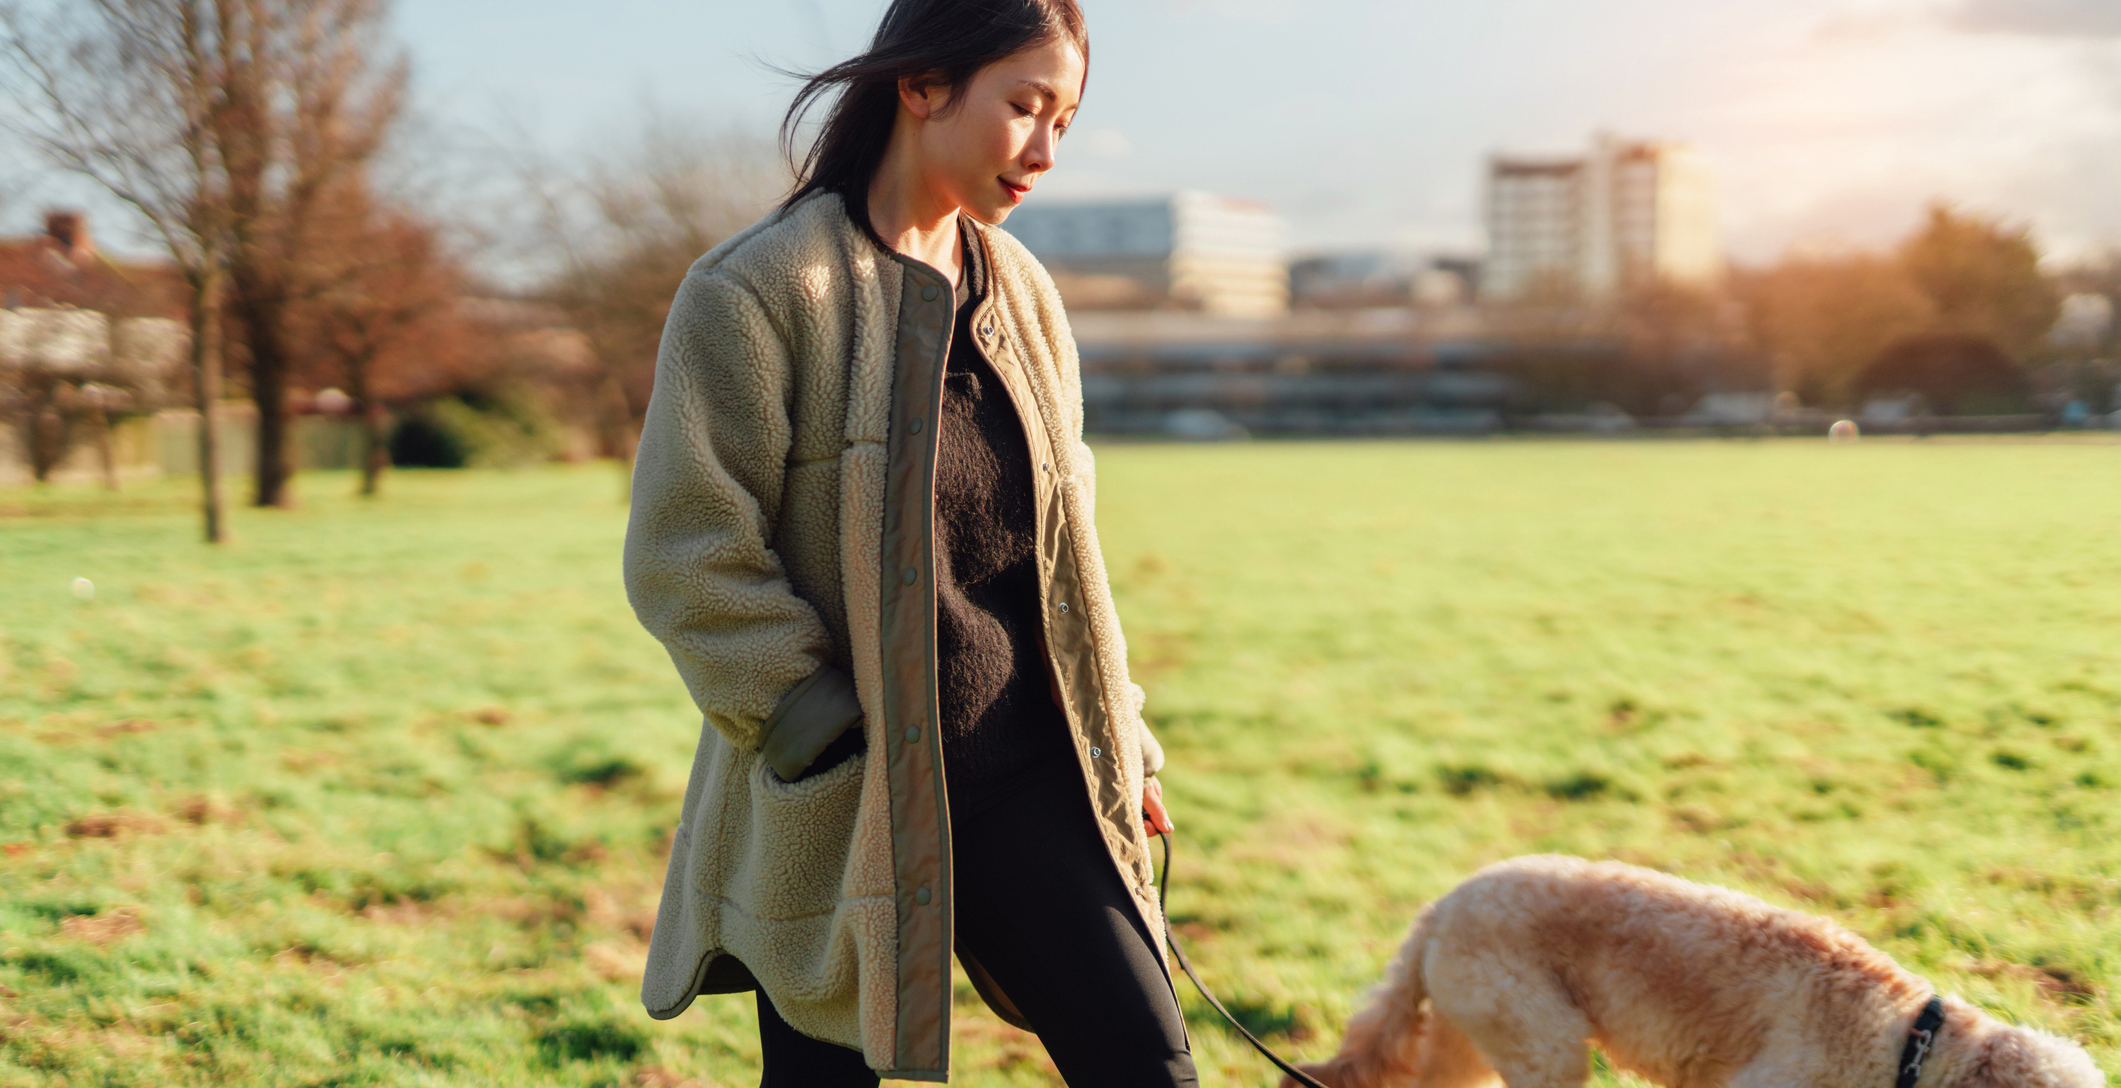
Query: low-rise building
[(1359, 279), (1362, 371), (67, 309), (85, 341), (1185, 251)]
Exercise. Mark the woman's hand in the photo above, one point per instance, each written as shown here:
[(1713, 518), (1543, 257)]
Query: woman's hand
[(1154, 818)]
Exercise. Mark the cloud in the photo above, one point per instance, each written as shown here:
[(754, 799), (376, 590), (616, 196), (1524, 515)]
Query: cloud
[(2048, 18)]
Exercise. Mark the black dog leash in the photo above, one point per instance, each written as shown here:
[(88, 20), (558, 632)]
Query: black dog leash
[(1163, 884)]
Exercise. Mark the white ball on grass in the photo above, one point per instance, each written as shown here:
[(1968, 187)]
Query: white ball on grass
[(84, 589)]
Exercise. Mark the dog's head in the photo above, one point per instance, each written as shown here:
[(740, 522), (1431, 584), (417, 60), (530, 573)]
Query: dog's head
[(2019, 1057)]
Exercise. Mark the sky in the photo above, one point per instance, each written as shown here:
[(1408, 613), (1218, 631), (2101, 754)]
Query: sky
[(1366, 123)]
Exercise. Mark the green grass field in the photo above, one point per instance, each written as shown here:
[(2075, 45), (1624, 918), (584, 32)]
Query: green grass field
[(378, 793)]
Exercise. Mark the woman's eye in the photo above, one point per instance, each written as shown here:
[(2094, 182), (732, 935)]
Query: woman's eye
[(1023, 109)]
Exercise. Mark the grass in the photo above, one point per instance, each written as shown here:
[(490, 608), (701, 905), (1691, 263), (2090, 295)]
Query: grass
[(378, 793)]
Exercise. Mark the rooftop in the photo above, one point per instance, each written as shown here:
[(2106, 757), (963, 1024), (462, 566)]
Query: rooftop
[(61, 268)]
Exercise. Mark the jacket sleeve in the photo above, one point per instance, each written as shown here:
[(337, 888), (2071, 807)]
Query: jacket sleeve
[(700, 570)]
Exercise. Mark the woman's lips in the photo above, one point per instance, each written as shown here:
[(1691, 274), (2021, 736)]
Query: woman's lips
[(1016, 192)]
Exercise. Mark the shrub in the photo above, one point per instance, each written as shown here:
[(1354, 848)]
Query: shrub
[(507, 431), (420, 441)]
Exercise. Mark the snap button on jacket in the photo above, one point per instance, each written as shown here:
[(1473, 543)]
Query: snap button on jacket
[(781, 543)]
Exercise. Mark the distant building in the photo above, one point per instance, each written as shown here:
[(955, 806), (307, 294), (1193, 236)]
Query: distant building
[(71, 312), (85, 341), (1187, 251), (1365, 278), (1398, 370), (62, 268), (1627, 215)]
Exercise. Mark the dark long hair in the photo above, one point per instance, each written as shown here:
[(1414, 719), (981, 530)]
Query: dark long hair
[(946, 40)]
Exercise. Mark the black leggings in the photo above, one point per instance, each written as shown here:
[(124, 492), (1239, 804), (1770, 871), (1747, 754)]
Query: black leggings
[(1041, 907)]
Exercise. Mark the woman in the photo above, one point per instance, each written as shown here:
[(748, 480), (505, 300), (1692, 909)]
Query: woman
[(862, 527)]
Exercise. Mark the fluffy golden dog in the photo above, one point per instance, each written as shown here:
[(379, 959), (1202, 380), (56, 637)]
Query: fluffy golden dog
[(1514, 972)]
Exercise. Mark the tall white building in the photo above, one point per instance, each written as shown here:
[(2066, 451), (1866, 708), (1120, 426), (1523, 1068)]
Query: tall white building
[(1627, 215), (1190, 251)]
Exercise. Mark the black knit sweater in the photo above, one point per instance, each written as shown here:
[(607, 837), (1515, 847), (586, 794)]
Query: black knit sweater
[(999, 721)]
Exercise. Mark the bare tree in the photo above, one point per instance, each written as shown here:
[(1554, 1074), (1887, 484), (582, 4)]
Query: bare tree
[(128, 94), (10, 185), (227, 124), (617, 238), (391, 322), (310, 100)]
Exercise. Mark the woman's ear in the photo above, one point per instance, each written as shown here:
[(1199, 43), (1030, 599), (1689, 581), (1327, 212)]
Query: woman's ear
[(923, 96)]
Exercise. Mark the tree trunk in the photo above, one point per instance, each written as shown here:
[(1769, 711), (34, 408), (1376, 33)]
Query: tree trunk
[(376, 423), (268, 389), (375, 447), (105, 456), (47, 435), (42, 424), (206, 391)]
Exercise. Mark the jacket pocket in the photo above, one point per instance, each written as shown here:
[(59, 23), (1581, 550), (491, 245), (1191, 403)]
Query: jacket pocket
[(815, 714), (800, 835)]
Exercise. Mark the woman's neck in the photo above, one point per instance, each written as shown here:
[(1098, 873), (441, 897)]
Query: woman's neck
[(909, 216)]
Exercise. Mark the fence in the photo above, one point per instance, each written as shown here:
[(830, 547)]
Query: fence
[(167, 444)]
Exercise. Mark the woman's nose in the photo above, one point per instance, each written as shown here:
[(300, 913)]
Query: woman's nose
[(1038, 157)]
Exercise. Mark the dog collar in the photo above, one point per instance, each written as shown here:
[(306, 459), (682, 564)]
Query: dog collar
[(1921, 1039)]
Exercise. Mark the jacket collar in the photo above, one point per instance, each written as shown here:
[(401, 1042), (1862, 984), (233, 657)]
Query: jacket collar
[(979, 255)]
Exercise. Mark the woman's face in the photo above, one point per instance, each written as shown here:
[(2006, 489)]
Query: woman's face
[(987, 150)]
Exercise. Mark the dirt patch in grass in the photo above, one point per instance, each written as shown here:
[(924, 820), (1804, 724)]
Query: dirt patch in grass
[(616, 961), (111, 825), (104, 929), (200, 809), (2064, 985)]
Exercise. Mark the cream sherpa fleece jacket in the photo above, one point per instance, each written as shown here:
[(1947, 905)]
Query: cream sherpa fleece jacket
[(781, 527)]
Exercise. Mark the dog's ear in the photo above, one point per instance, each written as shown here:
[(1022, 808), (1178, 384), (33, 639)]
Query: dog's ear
[(2016, 1057)]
